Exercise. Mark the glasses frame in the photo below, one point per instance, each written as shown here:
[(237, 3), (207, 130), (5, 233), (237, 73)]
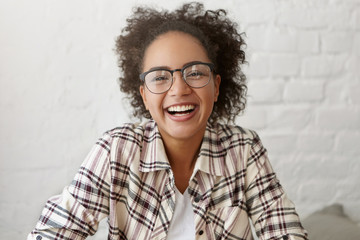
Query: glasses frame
[(143, 75)]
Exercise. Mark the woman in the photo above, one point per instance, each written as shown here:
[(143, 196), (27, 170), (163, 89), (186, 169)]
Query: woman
[(182, 174)]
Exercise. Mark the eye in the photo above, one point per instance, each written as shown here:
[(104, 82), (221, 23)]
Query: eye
[(194, 74), (158, 77), (159, 80)]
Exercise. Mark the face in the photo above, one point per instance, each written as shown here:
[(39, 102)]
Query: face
[(182, 112)]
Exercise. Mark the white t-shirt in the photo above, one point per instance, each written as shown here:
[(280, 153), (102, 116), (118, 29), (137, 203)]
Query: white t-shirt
[(182, 225)]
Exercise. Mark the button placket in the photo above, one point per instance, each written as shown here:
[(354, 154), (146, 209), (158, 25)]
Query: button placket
[(167, 206)]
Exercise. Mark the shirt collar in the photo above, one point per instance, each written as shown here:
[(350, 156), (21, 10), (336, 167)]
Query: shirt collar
[(212, 154), (215, 149), (153, 156), (211, 157)]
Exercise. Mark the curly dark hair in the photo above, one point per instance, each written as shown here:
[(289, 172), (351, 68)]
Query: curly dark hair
[(217, 33)]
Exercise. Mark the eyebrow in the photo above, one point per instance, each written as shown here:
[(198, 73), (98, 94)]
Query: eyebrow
[(168, 68)]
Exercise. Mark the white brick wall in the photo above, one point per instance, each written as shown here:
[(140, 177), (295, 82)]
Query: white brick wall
[(58, 93)]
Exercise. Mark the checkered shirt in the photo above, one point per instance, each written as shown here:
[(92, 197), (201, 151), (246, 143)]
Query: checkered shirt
[(128, 179)]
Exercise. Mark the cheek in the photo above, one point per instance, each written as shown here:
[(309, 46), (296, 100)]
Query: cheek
[(211, 95), (154, 102)]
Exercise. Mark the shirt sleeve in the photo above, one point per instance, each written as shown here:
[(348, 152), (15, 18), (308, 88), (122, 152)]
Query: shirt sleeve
[(271, 211), (75, 213)]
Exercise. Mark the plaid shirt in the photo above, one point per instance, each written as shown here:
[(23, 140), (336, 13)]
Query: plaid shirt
[(127, 178)]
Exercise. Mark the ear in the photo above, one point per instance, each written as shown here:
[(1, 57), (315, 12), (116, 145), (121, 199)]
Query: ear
[(217, 82), (143, 95)]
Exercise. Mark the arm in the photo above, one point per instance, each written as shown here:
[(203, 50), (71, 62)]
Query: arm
[(271, 211), (77, 211)]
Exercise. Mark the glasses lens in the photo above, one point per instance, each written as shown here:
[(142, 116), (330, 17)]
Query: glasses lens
[(197, 75), (158, 81)]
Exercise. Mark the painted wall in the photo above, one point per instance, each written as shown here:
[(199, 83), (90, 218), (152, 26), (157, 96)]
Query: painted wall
[(59, 93)]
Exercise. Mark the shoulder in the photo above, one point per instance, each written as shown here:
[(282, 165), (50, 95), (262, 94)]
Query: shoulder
[(132, 129), (133, 132), (230, 133)]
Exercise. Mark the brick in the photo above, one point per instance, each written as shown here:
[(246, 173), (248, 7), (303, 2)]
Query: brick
[(312, 167), (323, 65), (354, 94), (336, 42), (352, 67), (308, 42), (316, 66), (338, 62), (280, 143), (265, 91), (304, 91), (288, 118), (259, 65), (316, 143), (337, 119), (336, 92), (301, 18), (338, 17), (255, 12), (318, 189), (357, 18), (284, 65), (357, 44), (256, 37), (254, 118), (271, 39), (282, 163), (316, 18), (38, 184), (58, 132), (280, 41), (287, 173), (348, 142)]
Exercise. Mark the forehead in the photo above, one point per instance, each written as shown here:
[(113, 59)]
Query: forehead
[(174, 49)]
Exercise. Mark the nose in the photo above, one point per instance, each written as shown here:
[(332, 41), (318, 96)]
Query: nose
[(179, 86)]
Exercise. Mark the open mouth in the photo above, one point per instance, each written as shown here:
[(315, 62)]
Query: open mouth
[(180, 110)]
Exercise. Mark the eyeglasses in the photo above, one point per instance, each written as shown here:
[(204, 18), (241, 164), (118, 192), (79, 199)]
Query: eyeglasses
[(195, 74)]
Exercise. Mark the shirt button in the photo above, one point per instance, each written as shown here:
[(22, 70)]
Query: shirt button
[(285, 237), (197, 199), (201, 232), (38, 237)]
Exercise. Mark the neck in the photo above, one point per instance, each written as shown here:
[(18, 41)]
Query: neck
[(182, 154)]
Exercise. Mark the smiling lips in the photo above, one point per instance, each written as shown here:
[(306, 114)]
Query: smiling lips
[(181, 110)]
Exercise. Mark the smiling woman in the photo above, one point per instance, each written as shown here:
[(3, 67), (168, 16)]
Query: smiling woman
[(182, 174)]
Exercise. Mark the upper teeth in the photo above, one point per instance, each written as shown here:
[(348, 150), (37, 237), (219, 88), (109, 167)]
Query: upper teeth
[(181, 108)]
